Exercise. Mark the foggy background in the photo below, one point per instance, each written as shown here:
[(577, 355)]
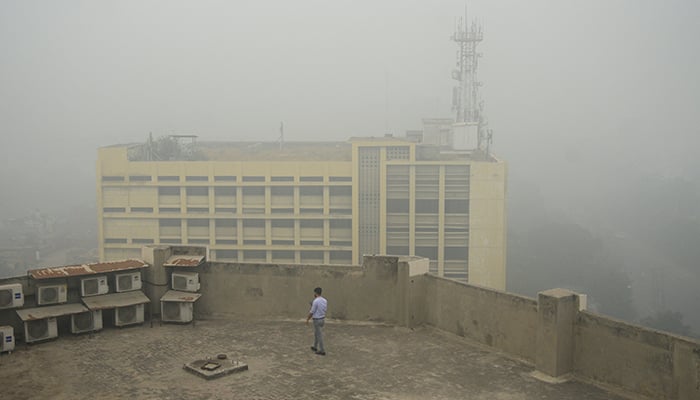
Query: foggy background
[(594, 106)]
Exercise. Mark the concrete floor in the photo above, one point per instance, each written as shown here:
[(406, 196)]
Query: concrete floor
[(364, 361)]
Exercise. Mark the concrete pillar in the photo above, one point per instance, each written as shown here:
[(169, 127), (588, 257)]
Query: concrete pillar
[(554, 357), (155, 277)]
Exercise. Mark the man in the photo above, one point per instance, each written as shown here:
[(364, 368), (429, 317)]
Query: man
[(318, 314)]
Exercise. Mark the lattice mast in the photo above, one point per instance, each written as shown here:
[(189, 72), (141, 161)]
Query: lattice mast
[(466, 100)]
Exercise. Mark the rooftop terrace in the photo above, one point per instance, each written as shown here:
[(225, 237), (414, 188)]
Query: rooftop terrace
[(363, 361)]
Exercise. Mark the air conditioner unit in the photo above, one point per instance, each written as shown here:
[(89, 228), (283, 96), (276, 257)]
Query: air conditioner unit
[(185, 281), (128, 282), (128, 315), (53, 294), (11, 296), (176, 311), (87, 321), (94, 286), (7, 338), (40, 329)]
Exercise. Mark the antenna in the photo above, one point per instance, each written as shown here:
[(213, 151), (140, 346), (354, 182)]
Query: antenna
[(466, 100), (281, 138)]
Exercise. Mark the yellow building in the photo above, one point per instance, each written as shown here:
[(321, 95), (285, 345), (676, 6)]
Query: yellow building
[(311, 203)]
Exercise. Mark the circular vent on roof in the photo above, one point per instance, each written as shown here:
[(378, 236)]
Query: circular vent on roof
[(127, 314), (124, 282), (5, 298), (38, 328), (171, 310), (49, 295), (83, 321)]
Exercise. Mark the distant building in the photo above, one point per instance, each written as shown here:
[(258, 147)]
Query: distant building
[(311, 203)]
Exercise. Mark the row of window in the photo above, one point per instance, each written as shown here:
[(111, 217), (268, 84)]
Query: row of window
[(246, 242), (222, 178), (228, 210), (428, 206), (450, 253), (231, 191)]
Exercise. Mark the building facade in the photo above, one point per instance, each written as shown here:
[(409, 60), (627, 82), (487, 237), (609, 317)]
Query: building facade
[(318, 203)]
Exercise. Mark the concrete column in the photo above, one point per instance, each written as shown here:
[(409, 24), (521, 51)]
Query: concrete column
[(554, 357), (155, 277)]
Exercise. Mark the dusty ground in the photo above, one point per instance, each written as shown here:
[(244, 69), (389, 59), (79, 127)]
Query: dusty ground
[(364, 361)]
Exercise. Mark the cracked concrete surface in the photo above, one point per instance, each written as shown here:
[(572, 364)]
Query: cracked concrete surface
[(364, 361)]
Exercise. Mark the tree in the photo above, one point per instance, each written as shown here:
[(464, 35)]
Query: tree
[(670, 321)]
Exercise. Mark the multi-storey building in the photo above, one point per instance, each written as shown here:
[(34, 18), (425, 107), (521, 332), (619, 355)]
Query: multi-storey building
[(320, 202)]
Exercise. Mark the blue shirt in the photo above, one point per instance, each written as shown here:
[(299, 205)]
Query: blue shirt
[(318, 308)]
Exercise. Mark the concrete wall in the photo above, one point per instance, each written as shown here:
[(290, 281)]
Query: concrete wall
[(652, 363), (505, 321), (370, 292)]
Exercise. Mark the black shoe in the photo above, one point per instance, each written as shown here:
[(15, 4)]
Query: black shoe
[(314, 349), (321, 353)]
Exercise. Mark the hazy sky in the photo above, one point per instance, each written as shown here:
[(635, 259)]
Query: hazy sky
[(575, 91)]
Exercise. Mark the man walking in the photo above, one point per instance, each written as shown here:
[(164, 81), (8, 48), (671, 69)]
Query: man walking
[(318, 314)]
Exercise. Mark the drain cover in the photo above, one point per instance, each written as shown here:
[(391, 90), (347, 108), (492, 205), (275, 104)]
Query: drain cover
[(211, 368)]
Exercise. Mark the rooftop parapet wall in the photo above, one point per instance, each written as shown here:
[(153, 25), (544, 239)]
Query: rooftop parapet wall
[(640, 360), (243, 290), (502, 320)]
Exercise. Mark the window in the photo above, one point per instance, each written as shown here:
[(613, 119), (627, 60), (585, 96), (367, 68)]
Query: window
[(346, 243), (253, 223), (283, 242), (169, 191), (141, 241), (397, 250), (254, 255), (427, 252), (397, 205), (311, 179), (340, 257), (142, 209), (224, 210), (253, 179), (254, 241), (282, 191), (282, 211), (140, 178), (312, 242), (311, 210), (282, 255), (225, 191), (456, 206), (311, 256), (341, 191), (114, 209), (112, 179), (282, 223), (340, 179), (196, 178), (456, 253), (169, 222), (224, 178), (424, 206), (311, 223), (198, 241), (197, 191), (171, 241), (169, 209), (227, 254), (282, 179), (226, 241), (198, 222), (168, 178), (114, 240), (197, 209)]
